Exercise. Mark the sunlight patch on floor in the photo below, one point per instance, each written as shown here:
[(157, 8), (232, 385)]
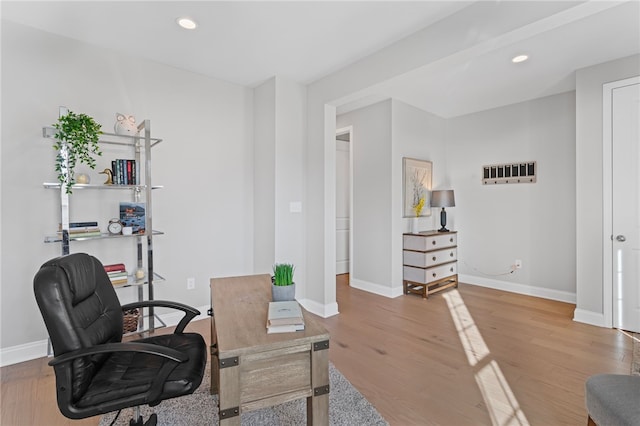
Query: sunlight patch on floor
[(501, 403), (470, 337)]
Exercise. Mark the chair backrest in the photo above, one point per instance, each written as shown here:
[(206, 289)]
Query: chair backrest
[(80, 309)]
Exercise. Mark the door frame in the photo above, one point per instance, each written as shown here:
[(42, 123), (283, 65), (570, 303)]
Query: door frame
[(607, 195), (342, 131)]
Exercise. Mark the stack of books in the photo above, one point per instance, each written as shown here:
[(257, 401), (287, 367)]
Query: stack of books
[(82, 230), (117, 273), (124, 172), (284, 317)]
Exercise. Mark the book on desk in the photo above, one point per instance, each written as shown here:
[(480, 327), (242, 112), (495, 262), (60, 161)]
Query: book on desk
[(284, 317)]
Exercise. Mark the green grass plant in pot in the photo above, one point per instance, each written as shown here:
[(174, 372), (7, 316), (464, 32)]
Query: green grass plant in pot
[(283, 288), (76, 142)]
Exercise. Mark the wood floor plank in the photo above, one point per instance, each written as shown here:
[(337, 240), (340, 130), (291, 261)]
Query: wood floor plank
[(471, 356)]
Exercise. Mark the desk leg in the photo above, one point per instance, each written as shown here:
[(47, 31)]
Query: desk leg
[(229, 395), (318, 404)]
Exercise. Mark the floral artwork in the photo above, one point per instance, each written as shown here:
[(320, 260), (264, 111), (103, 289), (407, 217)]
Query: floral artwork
[(416, 185)]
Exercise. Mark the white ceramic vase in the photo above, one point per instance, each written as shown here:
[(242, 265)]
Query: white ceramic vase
[(414, 225)]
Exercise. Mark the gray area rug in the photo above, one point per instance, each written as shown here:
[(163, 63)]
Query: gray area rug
[(347, 406)]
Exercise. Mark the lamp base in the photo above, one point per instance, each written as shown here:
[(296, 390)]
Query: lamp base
[(443, 221)]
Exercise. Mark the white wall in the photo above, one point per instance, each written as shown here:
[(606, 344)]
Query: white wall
[(589, 232), (371, 215), (532, 222), (416, 134), (264, 178), (205, 163), (383, 134), (291, 99), (279, 111)]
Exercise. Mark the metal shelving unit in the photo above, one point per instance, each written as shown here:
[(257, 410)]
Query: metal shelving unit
[(141, 145)]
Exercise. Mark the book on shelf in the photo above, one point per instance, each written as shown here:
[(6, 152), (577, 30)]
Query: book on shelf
[(117, 274), (284, 317), (79, 225), (133, 215), (118, 281), (85, 234), (114, 267)]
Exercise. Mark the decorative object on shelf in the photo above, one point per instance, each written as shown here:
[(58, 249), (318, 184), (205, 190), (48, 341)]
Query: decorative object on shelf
[(140, 273), (130, 320), (416, 184), (76, 142), (109, 174), (283, 288), (133, 215), (443, 199), (83, 178), (125, 125), (127, 230), (510, 173), (115, 226)]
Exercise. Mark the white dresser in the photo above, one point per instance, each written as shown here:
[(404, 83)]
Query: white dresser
[(429, 262)]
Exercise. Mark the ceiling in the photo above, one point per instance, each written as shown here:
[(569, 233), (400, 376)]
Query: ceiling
[(249, 42)]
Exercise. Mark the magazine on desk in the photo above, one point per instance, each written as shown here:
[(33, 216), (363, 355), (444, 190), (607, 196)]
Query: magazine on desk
[(284, 317)]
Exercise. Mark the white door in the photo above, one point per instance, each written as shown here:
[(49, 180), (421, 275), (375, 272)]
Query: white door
[(625, 142), (342, 206)]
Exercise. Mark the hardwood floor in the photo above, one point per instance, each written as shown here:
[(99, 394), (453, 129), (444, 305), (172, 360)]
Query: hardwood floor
[(472, 356)]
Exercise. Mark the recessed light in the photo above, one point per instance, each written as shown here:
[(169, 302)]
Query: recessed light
[(187, 23), (519, 58)]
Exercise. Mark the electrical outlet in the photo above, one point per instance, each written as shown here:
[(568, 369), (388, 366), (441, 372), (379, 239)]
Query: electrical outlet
[(191, 283), (518, 263)]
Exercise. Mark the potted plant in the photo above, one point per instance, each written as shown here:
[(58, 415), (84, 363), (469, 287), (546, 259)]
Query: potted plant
[(283, 288), (76, 142)]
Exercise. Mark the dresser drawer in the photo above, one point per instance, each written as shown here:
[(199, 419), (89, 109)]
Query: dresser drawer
[(429, 242), (426, 259), (426, 276)]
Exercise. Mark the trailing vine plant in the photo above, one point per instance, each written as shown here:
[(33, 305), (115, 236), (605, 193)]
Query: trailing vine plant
[(79, 133)]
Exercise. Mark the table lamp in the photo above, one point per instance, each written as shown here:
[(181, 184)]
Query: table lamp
[(443, 199)]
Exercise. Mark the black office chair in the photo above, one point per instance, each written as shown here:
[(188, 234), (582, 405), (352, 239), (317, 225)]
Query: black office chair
[(96, 372)]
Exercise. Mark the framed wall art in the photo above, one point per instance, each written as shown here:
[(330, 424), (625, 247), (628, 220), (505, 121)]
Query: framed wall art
[(416, 185)]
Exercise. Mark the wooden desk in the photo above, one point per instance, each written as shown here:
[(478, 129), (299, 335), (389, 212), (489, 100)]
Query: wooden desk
[(251, 369)]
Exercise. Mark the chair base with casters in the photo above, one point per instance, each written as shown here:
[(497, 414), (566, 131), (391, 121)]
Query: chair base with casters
[(613, 400), (97, 373)]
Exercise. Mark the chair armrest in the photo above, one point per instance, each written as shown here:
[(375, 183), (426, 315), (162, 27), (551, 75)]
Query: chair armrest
[(189, 312), (149, 348)]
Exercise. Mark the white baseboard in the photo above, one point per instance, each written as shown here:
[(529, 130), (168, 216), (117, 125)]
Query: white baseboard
[(39, 349), (25, 352), (589, 317), (545, 293), (324, 311), (378, 289)]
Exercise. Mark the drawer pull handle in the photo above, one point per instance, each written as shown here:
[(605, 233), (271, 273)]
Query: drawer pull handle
[(450, 240), (451, 269), (451, 254), (433, 242), (434, 275), (434, 258)]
